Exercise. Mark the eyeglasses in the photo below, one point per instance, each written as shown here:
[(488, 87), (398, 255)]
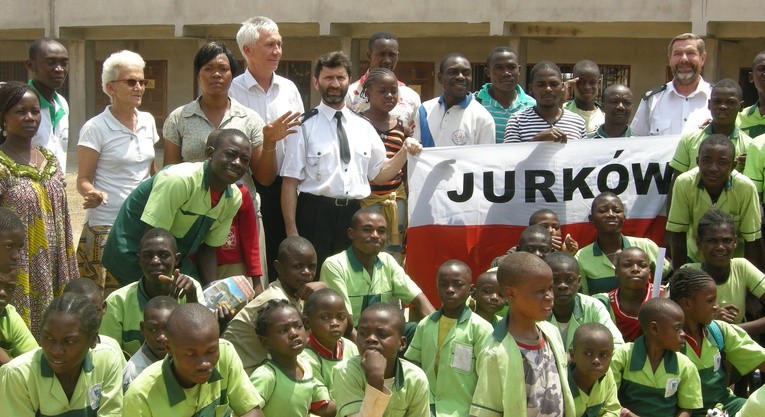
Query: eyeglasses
[(131, 82)]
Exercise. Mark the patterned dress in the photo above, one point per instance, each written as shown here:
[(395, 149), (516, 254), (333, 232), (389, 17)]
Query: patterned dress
[(48, 259)]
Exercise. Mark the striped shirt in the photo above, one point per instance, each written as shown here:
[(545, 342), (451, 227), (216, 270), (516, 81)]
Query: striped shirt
[(498, 112), (524, 125), (393, 140)]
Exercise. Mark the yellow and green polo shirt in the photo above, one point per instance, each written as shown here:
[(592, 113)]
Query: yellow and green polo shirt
[(345, 274), (751, 121), (690, 200), (597, 273), (409, 391), (156, 392), (31, 388), (738, 349), (124, 314), (178, 199), (15, 337), (688, 148), (675, 384), (588, 310), (743, 278), (281, 392), (602, 400), (500, 391), (453, 378)]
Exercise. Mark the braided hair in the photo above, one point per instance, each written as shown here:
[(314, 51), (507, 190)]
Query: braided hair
[(712, 218), (686, 282), (374, 75), (11, 93), (264, 315), (79, 306)]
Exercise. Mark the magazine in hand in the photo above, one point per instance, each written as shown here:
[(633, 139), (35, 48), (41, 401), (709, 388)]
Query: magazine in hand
[(232, 292)]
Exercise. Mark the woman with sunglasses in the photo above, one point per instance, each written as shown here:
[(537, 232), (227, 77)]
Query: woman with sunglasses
[(114, 154), (32, 186)]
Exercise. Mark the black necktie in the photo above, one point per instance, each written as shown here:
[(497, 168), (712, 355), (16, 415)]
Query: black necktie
[(345, 151)]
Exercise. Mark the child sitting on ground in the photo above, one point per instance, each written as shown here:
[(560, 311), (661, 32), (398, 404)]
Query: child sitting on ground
[(654, 379), (488, 297), (710, 342), (597, 260), (379, 383), (70, 374), (635, 288), (590, 378), (524, 347), (447, 342), (201, 374), (326, 318), (155, 316), (158, 258), (285, 380), (735, 277), (572, 309), (15, 337)]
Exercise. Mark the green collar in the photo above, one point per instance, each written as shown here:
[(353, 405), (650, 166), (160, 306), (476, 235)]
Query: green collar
[(734, 135), (206, 179), (355, 263), (398, 380), (500, 329), (599, 252), (572, 380), (56, 113), (175, 392), (640, 356), (728, 184), (753, 108), (601, 133), (47, 372), (464, 316)]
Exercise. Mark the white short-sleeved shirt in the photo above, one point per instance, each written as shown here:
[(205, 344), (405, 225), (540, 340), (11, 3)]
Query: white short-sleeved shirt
[(465, 123), (125, 159), (281, 97), (669, 113), (317, 164)]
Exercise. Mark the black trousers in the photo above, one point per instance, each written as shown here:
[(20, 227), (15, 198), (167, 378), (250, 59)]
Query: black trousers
[(324, 221), (273, 221)]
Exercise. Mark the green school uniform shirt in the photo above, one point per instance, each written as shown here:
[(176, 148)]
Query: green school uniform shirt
[(744, 278), (241, 330), (592, 118), (500, 390), (755, 404), (284, 396), (124, 314), (15, 337), (178, 199), (690, 200), (688, 148), (323, 367), (588, 310), (739, 349), (674, 385), (31, 389), (755, 161), (751, 121), (451, 391), (598, 274), (156, 392), (345, 274), (409, 393), (602, 400)]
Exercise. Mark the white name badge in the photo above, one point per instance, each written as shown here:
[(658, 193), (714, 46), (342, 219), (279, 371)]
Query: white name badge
[(718, 361), (94, 396), (671, 388), (463, 357)]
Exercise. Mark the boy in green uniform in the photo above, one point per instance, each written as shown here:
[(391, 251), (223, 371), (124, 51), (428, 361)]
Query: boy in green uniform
[(654, 379), (379, 383), (524, 347), (589, 376), (586, 89), (714, 184), (752, 119), (15, 337), (158, 258), (201, 376), (724, 104), (572, 309), (710, 342), (296, 268), (326, 317), (155, 316), (447, 342)]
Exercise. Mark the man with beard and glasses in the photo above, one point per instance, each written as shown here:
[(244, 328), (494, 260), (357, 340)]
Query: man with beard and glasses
[(331, 161), (680, 104), (454, 118)]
